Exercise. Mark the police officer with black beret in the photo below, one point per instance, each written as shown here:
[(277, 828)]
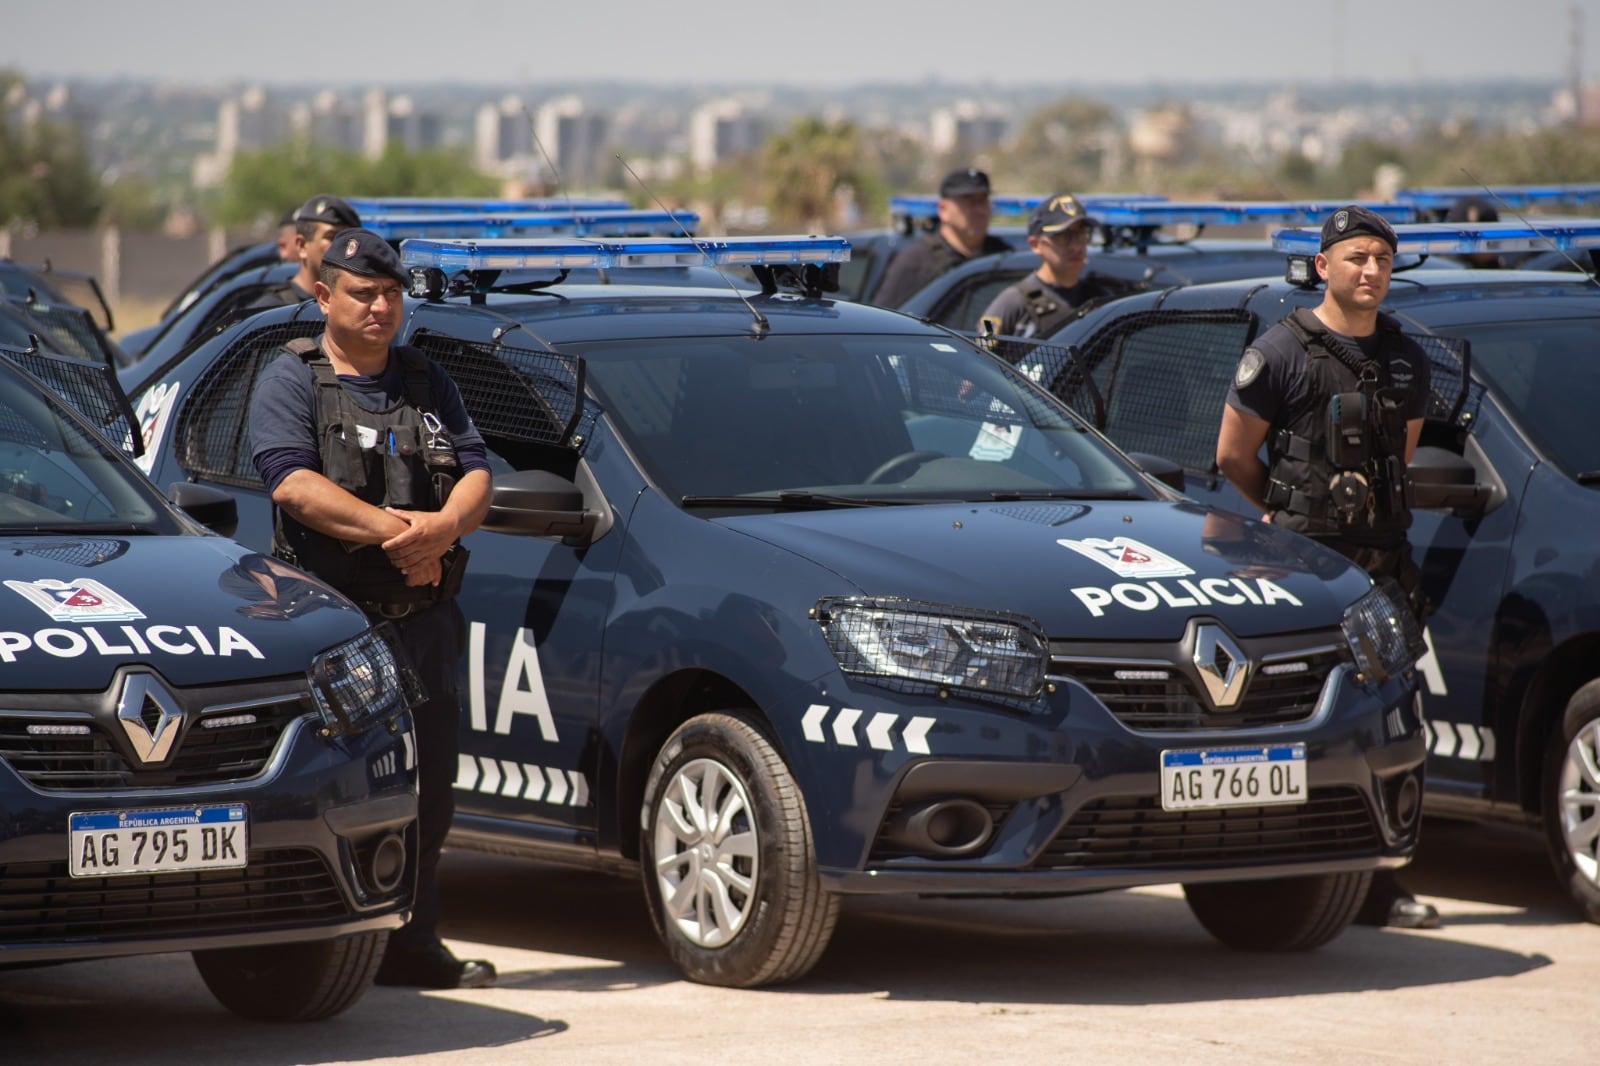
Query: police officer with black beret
[(962, 234), (1337, 393), (376, 472)]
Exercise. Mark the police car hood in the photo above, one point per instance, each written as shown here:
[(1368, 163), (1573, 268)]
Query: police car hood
[(1097, 571), (198, 610)]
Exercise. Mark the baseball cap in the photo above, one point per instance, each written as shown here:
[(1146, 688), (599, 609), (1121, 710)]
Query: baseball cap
[(1056, 214), (360, 251), (326, 208), (1357, 221), (962, 182)]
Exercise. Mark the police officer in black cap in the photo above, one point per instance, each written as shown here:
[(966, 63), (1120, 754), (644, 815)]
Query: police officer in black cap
[(315, 223), (1475, 209), (1337, 394), (1059, 231), (962, 234), (376, 472)]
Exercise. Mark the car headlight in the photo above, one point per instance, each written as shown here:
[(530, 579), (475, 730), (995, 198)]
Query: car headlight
[(1383, 633), (931, 645), (363, 681)]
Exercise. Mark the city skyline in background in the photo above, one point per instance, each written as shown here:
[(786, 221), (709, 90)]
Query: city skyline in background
[(699, 43)]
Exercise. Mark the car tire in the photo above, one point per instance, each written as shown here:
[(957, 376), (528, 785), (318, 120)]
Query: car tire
[(298, 982), (1281, 914), (1571, 800), (728, 865)]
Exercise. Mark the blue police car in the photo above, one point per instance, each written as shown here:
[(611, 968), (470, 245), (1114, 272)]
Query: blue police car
[(782, 598), (1508, 467), (201, 748)]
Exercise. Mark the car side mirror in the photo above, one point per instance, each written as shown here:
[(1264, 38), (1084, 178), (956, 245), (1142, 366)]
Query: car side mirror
[(1162, 469), (539, 503), (1441, 480), (213, 508)]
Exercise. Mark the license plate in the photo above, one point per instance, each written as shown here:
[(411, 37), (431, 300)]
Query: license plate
[(173, 839), (1233, 777)]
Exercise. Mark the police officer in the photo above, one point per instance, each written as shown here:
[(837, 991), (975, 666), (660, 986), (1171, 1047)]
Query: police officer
[(288, 251), (315, 223), (1059, 230), (376, 472), (1337, 394), (962, 234), (1475, 209)]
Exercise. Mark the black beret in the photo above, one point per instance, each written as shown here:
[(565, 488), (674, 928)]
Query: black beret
[(360, 251), (1357, 221), (330, 209), (962, 182)]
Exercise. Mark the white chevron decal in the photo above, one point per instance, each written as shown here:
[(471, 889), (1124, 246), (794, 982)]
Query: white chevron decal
[(520, 780), (811, 724), (1469, 741), (1458, 740), (879, 729), (410, 741), (844, 726)]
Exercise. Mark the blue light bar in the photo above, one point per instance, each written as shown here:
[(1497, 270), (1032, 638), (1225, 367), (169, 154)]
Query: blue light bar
[(1095, 202), (537, 224), (1244, 213), (451, 256), (394, 205), (1462, 238), (1443, 197)]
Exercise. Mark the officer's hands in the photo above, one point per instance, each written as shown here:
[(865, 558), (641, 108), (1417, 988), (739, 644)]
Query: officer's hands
[(416, 549)]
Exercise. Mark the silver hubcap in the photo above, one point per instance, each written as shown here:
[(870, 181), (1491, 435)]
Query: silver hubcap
[(705, 848), (1580, 801)]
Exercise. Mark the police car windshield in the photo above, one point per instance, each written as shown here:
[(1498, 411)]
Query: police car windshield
[(57, 477), (876, 417), (1543, 373)]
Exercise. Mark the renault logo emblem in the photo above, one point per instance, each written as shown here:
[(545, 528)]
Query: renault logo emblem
[(149, 716), (1223, 667)]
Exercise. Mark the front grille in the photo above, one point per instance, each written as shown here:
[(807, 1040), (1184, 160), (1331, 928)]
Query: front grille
[(1132, 833), (40, 903), (1287, 694), (92, 762)]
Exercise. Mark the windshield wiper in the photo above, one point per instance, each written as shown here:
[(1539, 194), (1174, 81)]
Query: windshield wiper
[(1008, 495), (71, 529), (795, 500), (1587, 477)]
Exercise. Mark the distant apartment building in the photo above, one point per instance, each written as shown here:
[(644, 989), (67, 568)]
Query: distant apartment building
[(502, 136), (576, 139), (966, 129), (248, 122), (724, 129)]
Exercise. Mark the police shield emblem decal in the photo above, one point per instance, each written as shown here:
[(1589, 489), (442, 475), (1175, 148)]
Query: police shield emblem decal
[(83, 600), (1127, 557)]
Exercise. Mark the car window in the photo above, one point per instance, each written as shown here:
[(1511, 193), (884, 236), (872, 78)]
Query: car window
[(1543, 372), (56, 475), (964, 304), (1164, 380), (211, 436), (865, 416)]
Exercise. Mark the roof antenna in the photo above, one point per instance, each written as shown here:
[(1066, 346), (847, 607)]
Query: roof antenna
[(762, 325), (1579, 267)]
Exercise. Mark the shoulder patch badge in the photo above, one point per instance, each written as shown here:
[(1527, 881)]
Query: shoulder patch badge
[(1250, 365)]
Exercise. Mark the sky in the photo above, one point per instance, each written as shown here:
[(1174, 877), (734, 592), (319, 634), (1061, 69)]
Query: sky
[(809, 42)]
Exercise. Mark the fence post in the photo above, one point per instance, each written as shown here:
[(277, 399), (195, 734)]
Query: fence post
[(111, 265)]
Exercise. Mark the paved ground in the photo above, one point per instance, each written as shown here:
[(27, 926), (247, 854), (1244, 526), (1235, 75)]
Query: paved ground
[(1125, 977)]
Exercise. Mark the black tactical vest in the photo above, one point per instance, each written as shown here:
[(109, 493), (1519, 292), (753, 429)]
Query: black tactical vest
[(387, 458), (1047, 311), (1338, 468)]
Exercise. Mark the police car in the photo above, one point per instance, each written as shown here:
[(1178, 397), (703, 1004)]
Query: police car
[(1137, 250), (1507, 465), (242, 291), (201, 748), (782, 598)]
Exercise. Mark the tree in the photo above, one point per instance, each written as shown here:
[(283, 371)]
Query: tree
[(805, 168), (45, 175), (262, 185), (1065, 146)]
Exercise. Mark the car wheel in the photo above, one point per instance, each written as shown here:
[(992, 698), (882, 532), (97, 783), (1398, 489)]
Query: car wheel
[(298, 982), (1572, 799), (1282, 914), (729, 869)]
